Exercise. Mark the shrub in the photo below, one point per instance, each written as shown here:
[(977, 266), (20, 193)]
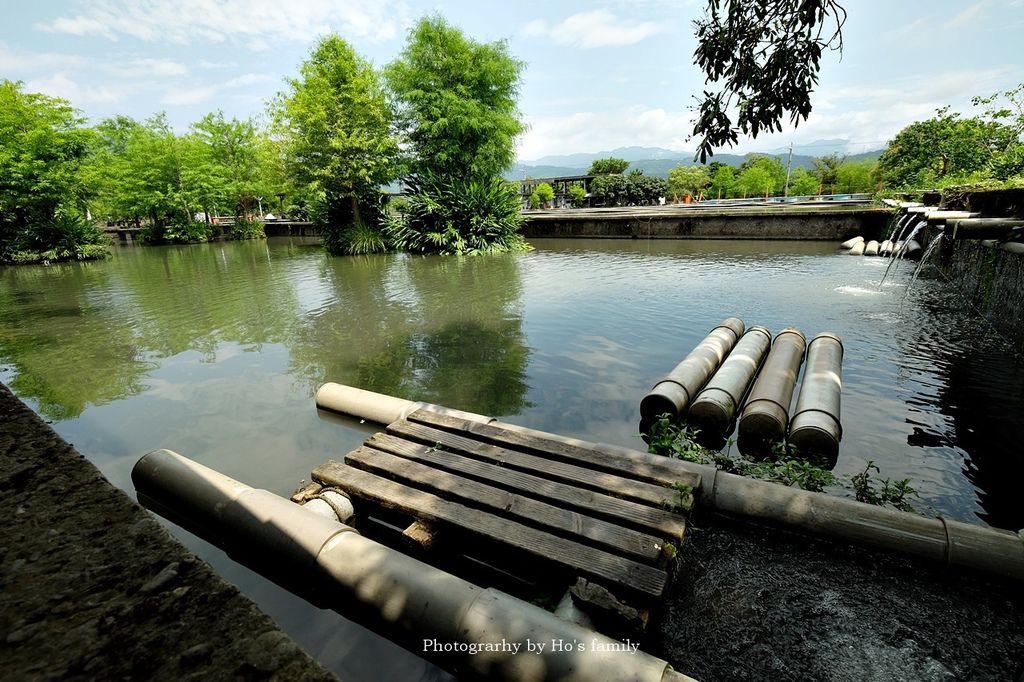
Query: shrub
[(248, 228), (363, 239), (63, 237), (544, 192), (451, 216), (534, 200), (577, 196), (181, 232)]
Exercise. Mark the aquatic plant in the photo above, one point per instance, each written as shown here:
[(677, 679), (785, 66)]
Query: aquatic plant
[(247, 228), (891, 493), (64, 237), (458, 215)]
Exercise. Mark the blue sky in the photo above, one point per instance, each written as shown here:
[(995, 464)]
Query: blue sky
[(600, 74)]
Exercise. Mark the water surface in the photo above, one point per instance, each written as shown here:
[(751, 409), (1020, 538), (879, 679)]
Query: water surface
[(215, 351)]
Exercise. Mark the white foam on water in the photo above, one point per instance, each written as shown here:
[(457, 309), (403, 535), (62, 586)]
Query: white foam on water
[(858, 291)]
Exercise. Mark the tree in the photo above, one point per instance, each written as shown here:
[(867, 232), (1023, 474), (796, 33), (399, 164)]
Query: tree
[(802, 183), (856, 176), (767, 55), (336, 123), (723, 182), (577, 195), (457, 102), (761, 175), (826, 169), (458, 110), (635, 189), (608, 166), (231, 151), (687, 180), (1007, 162), (42, 149), (545, 193), (942, 149)]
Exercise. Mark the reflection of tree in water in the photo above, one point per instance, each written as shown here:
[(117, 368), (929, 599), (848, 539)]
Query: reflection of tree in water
[(64, 335), (87, 333), (445, 330)]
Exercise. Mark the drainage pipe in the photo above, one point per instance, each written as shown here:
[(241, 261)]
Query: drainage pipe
[(815, 428), (349, 572), (849, 243), (857, 249), (885, 248), (766, 413), (871, 249), (715, 408), (673, 394), (992, 550), (985, 228), (1009, 247)]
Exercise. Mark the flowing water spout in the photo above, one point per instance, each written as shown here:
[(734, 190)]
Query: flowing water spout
[(900, 248), (924, 259)]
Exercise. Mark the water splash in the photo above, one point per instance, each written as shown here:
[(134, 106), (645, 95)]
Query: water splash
[(924, 259), (900, 247)]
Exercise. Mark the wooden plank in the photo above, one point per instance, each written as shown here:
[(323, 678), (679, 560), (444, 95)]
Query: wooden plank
[(557, 519), (638, 578), (616, 486), (623, 512), (639, 465)]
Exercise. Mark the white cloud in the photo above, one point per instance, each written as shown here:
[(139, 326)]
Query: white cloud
[(966, 16), (185, 96), (19, 62), (147, 67), (60, 85), (589, 131), (597, 28), (253, 22), (22, 62)]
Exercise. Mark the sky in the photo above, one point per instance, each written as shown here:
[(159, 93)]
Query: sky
[(599, 74)]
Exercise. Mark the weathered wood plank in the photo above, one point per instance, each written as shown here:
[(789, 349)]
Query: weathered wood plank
[(616, 486), (639, 465), (655, 520), (560, 520), (645, 581)]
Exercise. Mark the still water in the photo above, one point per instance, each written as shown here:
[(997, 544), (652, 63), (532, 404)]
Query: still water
[(215, 351)]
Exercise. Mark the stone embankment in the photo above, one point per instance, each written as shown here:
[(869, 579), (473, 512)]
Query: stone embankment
[(92, 587)]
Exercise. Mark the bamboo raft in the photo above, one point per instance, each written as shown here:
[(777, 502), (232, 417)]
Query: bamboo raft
[(557, 513)]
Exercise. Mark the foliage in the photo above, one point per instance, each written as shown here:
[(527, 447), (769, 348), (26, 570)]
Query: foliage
[(457, 102), (534, 200), (363, 239), (42, 148), (247, 228), (577, 196), (544, 192), (826, 169), (66, 236), (892, 493), (683, 180), (802, 183), (723, 183), (336, 123), (177, 232), (942, 149), (458, 215), (761, 176), (665, 437), (230, 154), (635, 189), (856, 176), (767, 55), (608, 166)]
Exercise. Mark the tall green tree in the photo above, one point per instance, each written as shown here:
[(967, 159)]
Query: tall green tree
[(761, 175), (336, 122), (723, 182), (43, 146), (803, 183), (232, 159), (856, 176), (826, 169), (942, 149), (684, 180), (457, 102), (608, 166), (458, 110)]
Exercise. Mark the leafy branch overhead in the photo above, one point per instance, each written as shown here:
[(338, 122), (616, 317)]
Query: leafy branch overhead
[(766, 55)]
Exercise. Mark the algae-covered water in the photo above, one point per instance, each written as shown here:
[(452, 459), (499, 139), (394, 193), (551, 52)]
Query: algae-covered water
[(215, 351)]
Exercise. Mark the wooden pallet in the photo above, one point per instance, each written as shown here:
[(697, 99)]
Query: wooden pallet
[(569, 510)]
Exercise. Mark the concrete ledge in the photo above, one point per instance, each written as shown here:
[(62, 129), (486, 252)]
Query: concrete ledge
[(835, 223), (92, 587)]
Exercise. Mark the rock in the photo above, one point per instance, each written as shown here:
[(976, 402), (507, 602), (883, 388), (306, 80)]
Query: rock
[(23, 633), (270, 651), (194, 655), (161, 579)]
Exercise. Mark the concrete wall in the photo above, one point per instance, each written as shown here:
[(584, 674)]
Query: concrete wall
[(831, 225), (992, 280)]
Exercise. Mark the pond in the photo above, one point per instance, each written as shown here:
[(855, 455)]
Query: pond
[(215, 351)]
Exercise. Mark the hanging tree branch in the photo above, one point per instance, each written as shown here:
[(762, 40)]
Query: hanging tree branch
[(766, 54)]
